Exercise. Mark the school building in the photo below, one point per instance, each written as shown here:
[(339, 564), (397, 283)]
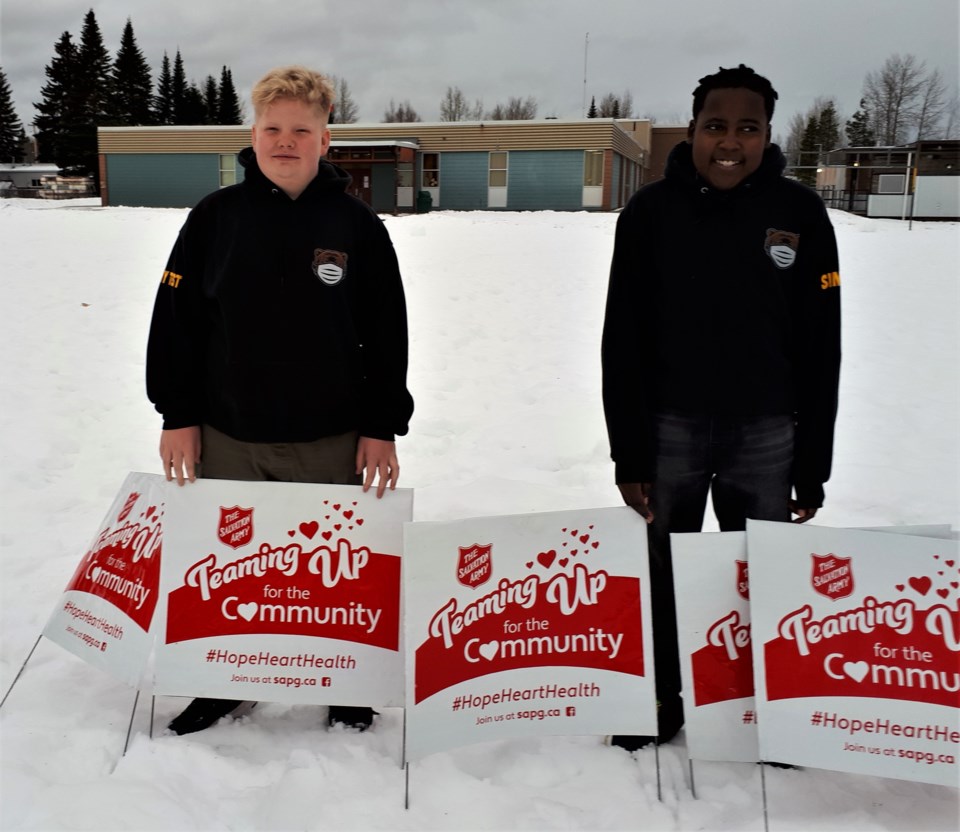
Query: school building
[(548, 164)]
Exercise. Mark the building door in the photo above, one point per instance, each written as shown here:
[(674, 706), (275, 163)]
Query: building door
[(360, 186)]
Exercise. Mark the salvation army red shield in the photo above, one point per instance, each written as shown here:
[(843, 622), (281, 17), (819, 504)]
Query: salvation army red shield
[(832, 576), (475, 565), (743, 579), (235, 528)]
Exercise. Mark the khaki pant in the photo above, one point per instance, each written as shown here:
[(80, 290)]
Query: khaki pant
[(331, 459)]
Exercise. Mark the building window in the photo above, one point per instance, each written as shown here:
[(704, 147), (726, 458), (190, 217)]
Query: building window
[(405, 175), (592, 167), (498, 169), (890, 183), (228, 169), (431, 170)]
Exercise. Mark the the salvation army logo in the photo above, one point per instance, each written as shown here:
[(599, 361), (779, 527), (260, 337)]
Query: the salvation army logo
[(475, 565), (743, 579), (235, 527), (561, 610), (832, 576), (128, 506), (330, 266)]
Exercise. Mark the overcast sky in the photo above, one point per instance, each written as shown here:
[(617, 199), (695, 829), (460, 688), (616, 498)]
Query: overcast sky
[(494, 49)]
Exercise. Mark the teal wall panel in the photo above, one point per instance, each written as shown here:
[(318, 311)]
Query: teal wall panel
[(545, 180), (161, 180), (613, 187), (383, 188), (463, 181)]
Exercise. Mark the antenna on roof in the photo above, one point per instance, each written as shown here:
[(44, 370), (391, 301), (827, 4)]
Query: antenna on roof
[(586, 44)]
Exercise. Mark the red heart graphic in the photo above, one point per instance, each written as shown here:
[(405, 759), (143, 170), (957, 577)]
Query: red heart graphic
[(564, 543), (152, 509), (900, 587), (359, 521), (338, 526), (589, 527), (529, 564), (292, 532), (326, 535), (336, 506), (943, 593), (948, 562), (584, 538), (348, 514), (955, 584), (921, 585), (309, 529), (563, 530), (563, 561), (595, 543), (326, 502), (545, 559), (350, 528), (326, 516), (940, 572), (936, 557), (574, 551)]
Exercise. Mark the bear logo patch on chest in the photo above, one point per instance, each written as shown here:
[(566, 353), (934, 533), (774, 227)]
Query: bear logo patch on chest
[(330, 266), (781, 247)]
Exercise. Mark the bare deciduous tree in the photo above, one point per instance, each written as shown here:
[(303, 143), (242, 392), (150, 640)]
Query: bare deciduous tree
[(892, 94), (516, 109), (345, 110), (454, 107), (400, 113)]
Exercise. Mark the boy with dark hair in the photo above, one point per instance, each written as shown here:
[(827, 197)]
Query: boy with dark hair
[(721, 344), (278, 346)]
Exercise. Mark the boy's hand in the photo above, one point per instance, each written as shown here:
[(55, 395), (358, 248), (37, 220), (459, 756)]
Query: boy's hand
[(803, 514), (180, 453), (637, 496), (379, 458)]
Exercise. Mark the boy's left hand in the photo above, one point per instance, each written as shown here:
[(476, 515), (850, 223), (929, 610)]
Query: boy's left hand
[(379, 459), (803, 514)]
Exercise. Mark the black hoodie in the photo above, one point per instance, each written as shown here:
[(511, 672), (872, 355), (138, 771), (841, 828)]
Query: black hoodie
[(281, 320), (723, 303)]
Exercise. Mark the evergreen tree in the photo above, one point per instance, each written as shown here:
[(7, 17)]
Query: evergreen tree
[(859, 133), (59, 119), (132, 99), (193, 110), (828, 128), (11, 148), (809, 151), (163, 102), (211, 100), (592, 112), (94, 76), (229, 110), (178, 91)]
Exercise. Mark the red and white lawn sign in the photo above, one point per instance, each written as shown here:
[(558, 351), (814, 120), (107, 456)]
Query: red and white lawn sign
[(107, 609), (283, 592), (527, 625), (711, 581), (856, 645)]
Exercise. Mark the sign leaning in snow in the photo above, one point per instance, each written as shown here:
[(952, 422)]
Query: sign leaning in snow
[(712, 584), (107, 609), (284, 592), (856, 645), (527, 625)]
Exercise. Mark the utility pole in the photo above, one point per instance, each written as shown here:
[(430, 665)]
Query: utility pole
[(586, 44)]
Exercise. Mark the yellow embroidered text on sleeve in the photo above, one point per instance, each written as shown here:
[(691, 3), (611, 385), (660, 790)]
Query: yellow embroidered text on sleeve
[(829, 280), (171, 278)]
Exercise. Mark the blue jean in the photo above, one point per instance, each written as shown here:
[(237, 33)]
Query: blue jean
[(745, 462)]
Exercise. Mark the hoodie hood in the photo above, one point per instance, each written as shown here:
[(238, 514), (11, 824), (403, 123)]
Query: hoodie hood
[(330, 177), (680, 170)]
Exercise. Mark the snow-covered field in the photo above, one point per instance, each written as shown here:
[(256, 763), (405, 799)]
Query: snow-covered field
[(505, 314)]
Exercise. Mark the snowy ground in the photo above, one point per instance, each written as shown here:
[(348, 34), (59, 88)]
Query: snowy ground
[(505, 312)]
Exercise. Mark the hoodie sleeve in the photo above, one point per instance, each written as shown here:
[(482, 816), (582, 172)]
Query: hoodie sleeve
[(385, 403), (175, 347), (625, 355), (817, 360)]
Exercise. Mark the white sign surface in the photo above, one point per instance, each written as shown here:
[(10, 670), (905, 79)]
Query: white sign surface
[(106, 612), (285, 592), (527, 625), (856, 646)]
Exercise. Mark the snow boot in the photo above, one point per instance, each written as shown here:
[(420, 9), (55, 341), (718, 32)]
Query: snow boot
[(202, 713), (352, 717)]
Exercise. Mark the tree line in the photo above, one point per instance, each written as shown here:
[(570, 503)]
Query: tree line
[(86, 89), (901, 102)]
